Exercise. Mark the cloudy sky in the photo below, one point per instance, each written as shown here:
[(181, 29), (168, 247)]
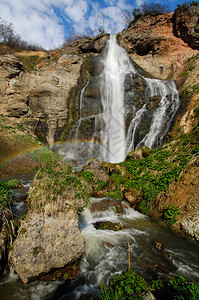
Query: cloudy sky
[(48, 22)]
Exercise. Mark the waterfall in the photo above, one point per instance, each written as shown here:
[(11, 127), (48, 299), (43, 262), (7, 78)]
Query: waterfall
[(116, 66), (126, 111)]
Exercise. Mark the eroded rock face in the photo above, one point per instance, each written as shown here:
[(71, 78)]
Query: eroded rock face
[(46, 243), (151, 43), (186, 25), (39, 98)]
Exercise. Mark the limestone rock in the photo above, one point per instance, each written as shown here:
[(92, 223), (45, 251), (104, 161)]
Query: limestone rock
[(46, 243), (190, 224), (39, 98), (49, 237)]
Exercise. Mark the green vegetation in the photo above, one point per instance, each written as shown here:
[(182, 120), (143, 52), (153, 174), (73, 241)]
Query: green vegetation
[(55, 183), (170, 214), (5, 194), (182, 289), (152, 175), (130, 285), (14, 183), (88, 176), (30, 61)]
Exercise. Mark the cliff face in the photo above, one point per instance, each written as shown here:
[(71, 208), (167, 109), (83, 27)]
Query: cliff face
[(35, 87), (44, 96), (151, 43)]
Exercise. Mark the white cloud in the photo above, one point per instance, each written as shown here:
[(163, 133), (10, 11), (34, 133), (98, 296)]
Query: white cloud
[(45, 21), (77, 11), (34, 20)]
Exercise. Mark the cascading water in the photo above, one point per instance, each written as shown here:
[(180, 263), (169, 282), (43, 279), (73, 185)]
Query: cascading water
[(116, 66), (128, 112)]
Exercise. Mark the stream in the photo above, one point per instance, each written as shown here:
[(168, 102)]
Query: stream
[(106, 253)]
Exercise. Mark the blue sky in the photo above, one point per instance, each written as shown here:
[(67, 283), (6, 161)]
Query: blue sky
[(49, 22)]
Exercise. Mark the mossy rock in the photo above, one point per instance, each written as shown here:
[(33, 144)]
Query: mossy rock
[(103, 225)]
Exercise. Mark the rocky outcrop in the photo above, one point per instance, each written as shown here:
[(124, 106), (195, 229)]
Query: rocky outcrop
[(49, 237), (186, 25), (185, 194), (39, 98), (151, 43)]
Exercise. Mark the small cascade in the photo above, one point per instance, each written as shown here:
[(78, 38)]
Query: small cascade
[(106, 250), (120, 110)]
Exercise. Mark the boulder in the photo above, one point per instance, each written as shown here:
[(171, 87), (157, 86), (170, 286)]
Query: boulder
[(46, 243), (49, 237)]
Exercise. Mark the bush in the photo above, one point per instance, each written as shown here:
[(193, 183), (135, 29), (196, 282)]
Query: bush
[(129, 285), (153, 9), (186, 5)]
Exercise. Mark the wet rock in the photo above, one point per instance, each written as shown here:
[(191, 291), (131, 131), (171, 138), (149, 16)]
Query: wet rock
[(108, 245), (153, 102), (103, 225), (108, 204)]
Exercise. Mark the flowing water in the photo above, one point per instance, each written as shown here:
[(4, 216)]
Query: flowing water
[(121, 125), (106, 250), (106, 253)]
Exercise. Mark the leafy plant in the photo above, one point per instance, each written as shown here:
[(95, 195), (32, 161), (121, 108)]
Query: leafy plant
[(183, 289), (128, 285), (170, 214)]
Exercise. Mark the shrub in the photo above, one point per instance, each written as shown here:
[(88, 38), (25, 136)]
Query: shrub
[(153, 9)]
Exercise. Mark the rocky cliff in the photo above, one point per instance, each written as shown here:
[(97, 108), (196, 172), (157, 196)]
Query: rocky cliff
[(41, 90)]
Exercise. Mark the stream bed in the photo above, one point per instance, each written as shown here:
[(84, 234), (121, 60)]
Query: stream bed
[(106, 253)]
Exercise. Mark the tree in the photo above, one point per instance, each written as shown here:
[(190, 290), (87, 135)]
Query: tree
[(6, 30), (152, 8)]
